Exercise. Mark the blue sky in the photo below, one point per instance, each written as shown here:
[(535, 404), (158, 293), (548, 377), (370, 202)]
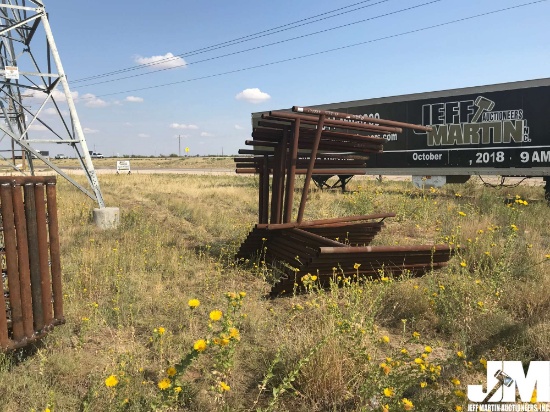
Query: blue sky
[(144, 114)]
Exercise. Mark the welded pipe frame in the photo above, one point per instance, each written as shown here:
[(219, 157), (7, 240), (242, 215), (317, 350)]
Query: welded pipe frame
[(31, 241)]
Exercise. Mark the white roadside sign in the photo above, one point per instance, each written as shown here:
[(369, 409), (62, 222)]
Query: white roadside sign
[(123, 166)]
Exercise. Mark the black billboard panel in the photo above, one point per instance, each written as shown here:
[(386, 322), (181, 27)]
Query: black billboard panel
[(487, 128)]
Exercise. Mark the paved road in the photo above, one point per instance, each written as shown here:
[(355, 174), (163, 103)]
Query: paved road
[(537, 181)]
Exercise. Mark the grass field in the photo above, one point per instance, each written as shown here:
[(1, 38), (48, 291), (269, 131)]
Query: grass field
[(161, 317), (158, 162)]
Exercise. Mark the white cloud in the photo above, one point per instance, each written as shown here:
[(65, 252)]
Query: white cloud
[(143, 135), (91, 100), (37, 127), (57, 95), (168, 61), (205, 134), (254, 95), (184, 126), (134, 99), (52, 111), (87, 130), (239, 127)]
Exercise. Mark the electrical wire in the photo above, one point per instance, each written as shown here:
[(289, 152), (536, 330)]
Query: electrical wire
[(476, 16), (238, 40), (267, 45)]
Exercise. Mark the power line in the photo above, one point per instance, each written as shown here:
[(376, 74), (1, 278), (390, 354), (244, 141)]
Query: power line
[(238, 40), (333, 49), (269, 44)]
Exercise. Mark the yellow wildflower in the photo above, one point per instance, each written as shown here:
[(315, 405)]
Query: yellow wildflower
[(389, 392), (418, 361), (111, 381), (161, 331), (514, 227), (458, 408), (483, 361), (177, 389), (313, 278), (416, 335), (404, 351), (357, 266), (200, 345), (234, 333), (460, 354), (386, 408), (459, 393), (385, 339), (463, 264), (171, 371), (216, 315), (461, 213), (224, 386), (407, 404), (455, 381), (385, 368), (242, 294), (164, 384), (423, 384), (193, 303), (428, 349)]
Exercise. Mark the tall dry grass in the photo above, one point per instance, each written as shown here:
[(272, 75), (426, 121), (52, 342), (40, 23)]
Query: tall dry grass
[(365, 346)]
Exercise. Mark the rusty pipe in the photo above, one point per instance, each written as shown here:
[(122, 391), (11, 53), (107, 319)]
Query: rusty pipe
[(55, 253), (14, 288), (42, 238), (34, 257), (338, 115), (23, 260), (335, 123)]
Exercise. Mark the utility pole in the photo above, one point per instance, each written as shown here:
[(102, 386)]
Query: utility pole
[(179, 145)]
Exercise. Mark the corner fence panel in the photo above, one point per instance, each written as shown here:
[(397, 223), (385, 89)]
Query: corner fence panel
[(320, 144), (31, 303)]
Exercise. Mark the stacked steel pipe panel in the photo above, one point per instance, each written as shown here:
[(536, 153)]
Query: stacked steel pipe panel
[(32, 300), (315, 142)]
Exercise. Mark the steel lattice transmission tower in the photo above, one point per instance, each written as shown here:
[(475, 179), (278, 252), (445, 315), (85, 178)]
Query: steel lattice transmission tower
[(36, 104)]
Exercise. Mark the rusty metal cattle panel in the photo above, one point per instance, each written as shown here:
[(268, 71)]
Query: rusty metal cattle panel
[(31, 302), (316, 142)]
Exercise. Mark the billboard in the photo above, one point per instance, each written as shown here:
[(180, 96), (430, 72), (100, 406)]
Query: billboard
[(501, 129)]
